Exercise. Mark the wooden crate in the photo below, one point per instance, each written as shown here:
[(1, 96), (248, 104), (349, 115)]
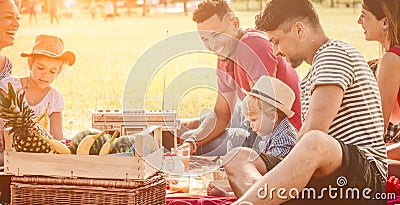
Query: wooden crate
[(81, 166)]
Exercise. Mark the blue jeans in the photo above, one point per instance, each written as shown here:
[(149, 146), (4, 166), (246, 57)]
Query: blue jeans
[(239, 134)]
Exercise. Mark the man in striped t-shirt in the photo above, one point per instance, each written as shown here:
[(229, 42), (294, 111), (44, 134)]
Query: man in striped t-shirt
[(340, 156)]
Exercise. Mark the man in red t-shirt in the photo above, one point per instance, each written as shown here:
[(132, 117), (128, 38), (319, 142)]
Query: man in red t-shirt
[(243, 56)]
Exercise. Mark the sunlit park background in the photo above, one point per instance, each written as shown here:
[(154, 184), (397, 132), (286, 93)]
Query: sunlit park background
[(107, 50)]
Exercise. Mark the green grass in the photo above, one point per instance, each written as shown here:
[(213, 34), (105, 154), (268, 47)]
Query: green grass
[(106, 52)]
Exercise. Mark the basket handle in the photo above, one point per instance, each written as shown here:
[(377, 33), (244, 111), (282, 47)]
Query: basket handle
[(8, 141)]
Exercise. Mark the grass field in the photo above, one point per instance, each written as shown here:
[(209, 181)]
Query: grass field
[(106, 52)]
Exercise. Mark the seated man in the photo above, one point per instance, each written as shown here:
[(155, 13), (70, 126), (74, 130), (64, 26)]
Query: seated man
[(340, 156), (267, 106), (243, 57)]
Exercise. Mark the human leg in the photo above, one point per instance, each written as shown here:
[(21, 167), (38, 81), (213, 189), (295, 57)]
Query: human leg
[(234, 137), (341, 168), (315, 155), (393, 151), (356, 182), (219, 188), (245, 166), (394, 168)]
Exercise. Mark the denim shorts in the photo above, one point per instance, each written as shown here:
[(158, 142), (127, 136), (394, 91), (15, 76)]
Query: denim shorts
[(356, 182)]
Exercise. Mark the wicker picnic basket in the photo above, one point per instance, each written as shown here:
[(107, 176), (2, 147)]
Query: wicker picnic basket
[(49, 190), (42, 178)]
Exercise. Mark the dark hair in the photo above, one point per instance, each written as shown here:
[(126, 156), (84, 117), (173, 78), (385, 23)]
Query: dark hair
[(375, 7), (208, 8), (283, 12), (390, 9)]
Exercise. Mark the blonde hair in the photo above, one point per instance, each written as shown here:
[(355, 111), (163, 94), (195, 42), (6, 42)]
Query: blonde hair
[(252, 104)]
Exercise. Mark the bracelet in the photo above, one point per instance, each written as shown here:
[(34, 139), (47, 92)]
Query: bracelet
[(192, 140)]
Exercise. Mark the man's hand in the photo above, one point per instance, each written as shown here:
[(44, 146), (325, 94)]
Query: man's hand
[(186, 145)]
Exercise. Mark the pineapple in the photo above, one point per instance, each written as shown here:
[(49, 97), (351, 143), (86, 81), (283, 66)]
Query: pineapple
[(20, 117)]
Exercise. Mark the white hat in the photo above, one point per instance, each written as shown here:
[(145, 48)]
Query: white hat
[(274, 92)]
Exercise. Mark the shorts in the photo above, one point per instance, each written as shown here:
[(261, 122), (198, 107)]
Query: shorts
[(392, 133), (356, 177)]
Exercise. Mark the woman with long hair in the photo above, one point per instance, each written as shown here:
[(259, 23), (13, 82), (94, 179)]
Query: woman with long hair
[(380, 20)]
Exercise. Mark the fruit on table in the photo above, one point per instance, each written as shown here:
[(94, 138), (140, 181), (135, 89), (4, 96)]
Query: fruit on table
[(20, 118), (124, 143), (57, 146), (106, 148), (87, 142), (95, 148)]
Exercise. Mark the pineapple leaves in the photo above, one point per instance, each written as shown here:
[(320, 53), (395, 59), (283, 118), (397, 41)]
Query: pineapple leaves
[(19, 116)]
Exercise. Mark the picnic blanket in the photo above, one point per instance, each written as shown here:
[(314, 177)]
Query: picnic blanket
[(393, 186), (199, 200), (395, 201)]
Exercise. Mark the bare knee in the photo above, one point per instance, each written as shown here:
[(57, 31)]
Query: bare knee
[(317, 142), (321, 151), (240, 157), (236, 156)]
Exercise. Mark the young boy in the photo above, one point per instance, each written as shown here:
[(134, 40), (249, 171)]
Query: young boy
[(268, 107), (268, 118)]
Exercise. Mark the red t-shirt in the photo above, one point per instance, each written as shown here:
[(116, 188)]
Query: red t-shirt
[(253, 58), (396, 50)]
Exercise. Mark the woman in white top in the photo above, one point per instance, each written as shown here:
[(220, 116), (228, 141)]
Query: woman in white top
[(45, 62), (9, 25)]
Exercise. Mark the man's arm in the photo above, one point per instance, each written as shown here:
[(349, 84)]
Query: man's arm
[(324, 105), (215, 123)]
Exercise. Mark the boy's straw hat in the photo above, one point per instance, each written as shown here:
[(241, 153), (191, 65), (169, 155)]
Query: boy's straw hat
[(53, 47), (274, 92)]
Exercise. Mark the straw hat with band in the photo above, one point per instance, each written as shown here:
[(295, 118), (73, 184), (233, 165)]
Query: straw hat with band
[(53, 47), (274, 92)]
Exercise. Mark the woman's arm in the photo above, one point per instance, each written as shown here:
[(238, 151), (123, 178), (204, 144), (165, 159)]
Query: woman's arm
[(389, 83)]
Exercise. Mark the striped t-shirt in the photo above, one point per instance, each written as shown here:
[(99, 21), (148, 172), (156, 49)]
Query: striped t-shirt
[(359, 120), (6, 70)]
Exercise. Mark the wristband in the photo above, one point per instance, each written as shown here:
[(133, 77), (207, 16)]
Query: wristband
[(192, 140)]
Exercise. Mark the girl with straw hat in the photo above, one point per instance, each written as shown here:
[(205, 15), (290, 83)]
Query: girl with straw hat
[(45, 62)]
